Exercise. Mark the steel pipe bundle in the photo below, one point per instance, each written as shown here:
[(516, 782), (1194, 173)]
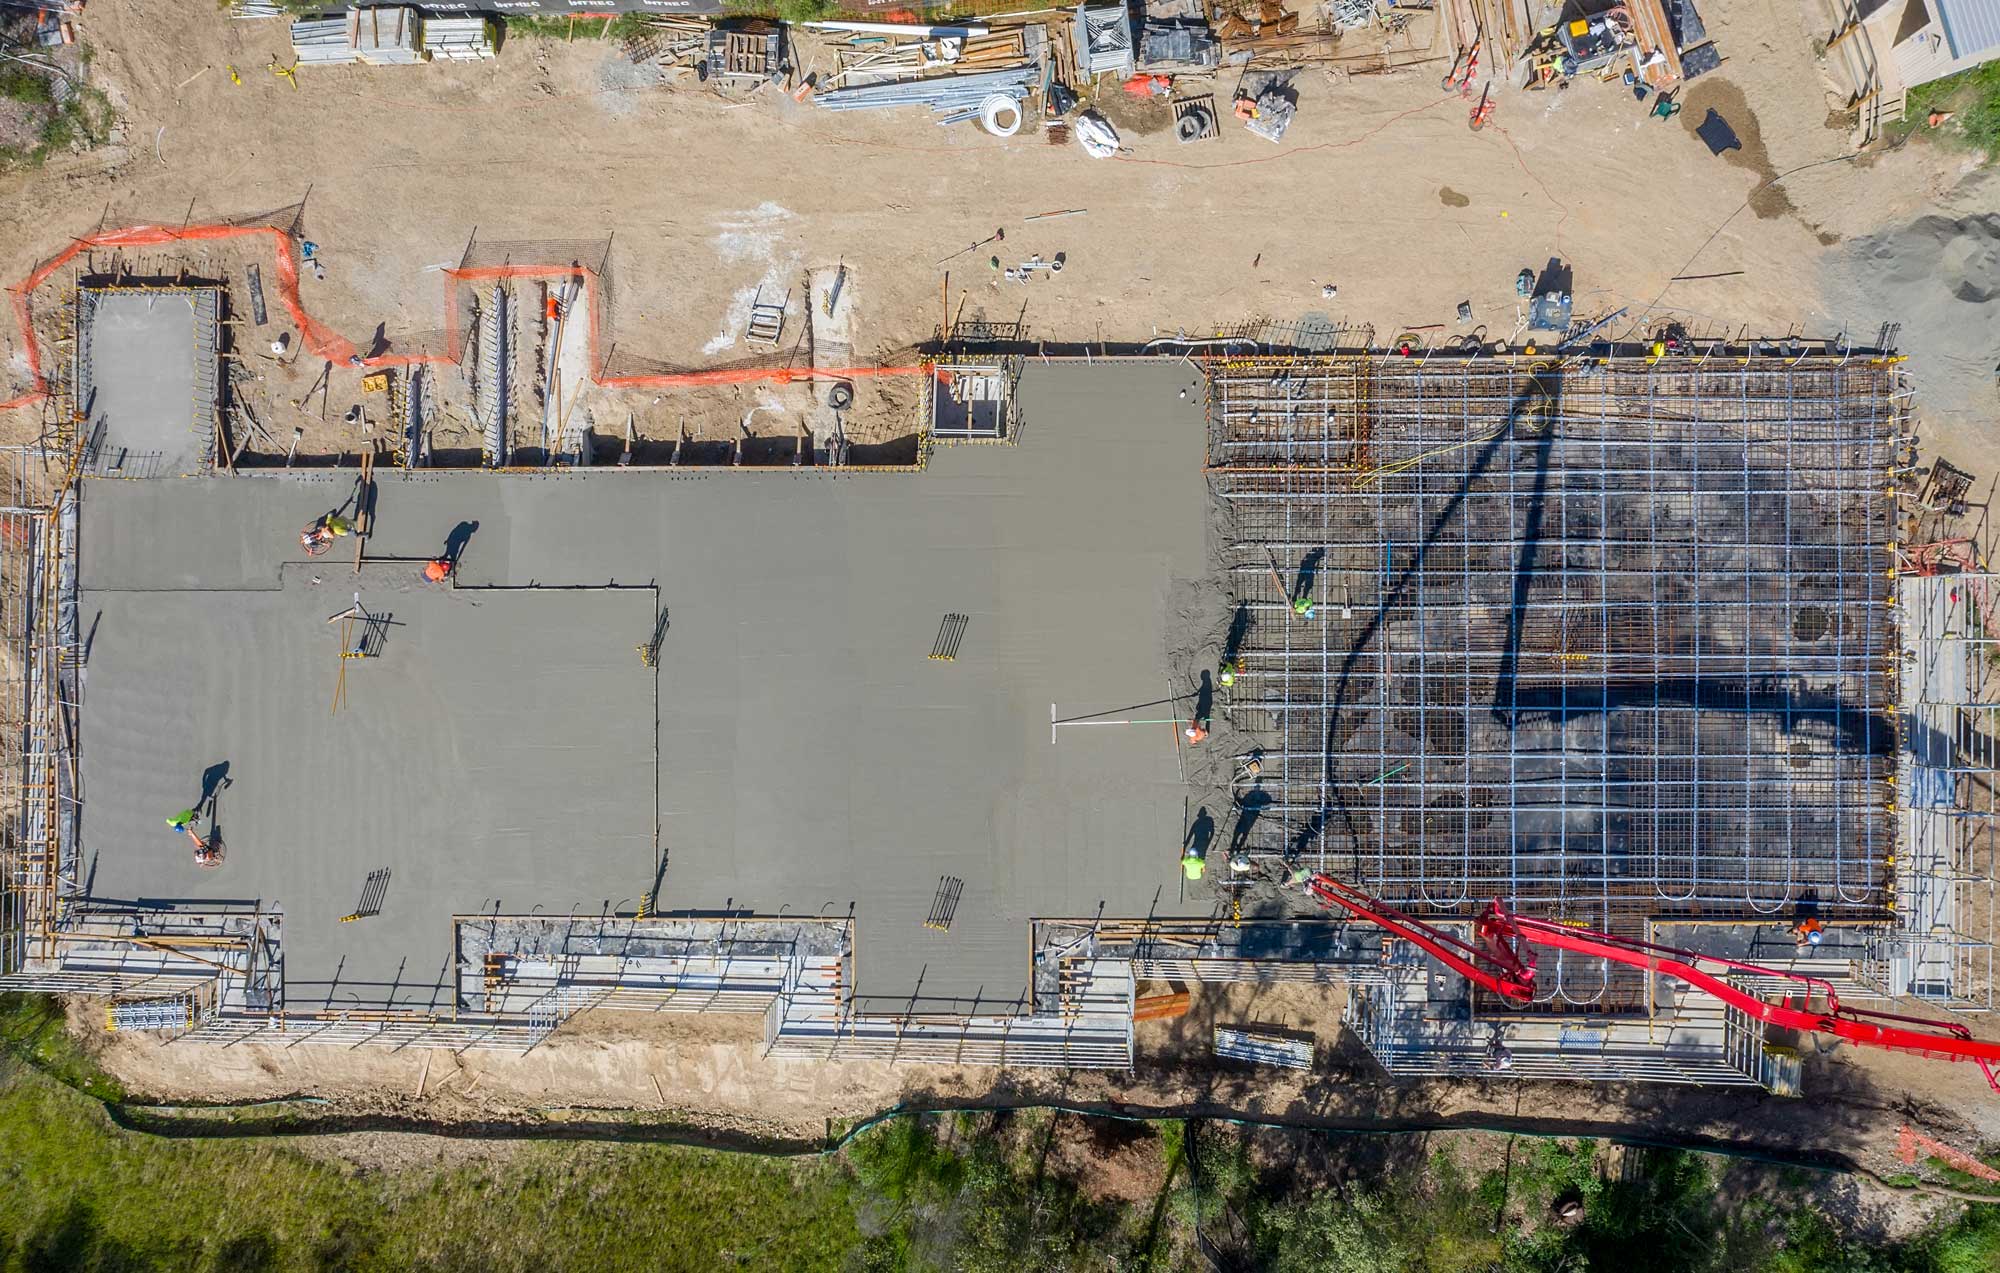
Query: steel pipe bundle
[(954, 97)]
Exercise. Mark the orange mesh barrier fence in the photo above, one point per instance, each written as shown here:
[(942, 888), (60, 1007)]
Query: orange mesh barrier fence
[(323, 342)]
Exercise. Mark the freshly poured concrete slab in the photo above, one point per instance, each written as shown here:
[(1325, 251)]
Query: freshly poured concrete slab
[(812, 757), (496, 753), (151, 402)]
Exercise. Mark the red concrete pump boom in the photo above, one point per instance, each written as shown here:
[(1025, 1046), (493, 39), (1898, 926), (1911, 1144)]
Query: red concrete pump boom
[(1501, 959)]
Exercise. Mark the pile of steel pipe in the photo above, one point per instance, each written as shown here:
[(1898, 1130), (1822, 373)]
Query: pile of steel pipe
[(954, 97)]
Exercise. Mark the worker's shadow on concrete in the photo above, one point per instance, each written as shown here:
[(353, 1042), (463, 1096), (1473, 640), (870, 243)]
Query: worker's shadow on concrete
[(1308, 572), (1200, 834), (1232, 645), (1248, 810), (213, 780), (378, 344), (454, 543), (1204, 697)]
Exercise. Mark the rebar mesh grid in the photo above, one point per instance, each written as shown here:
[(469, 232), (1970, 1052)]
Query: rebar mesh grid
[(1600, 637)]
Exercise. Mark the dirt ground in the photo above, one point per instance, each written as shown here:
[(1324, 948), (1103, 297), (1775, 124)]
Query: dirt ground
[(1379, 189), (708, 1072)]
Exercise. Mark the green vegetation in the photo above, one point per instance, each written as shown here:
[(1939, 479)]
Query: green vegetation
[(970, 1193), (1950, 1175), (297, 8), (84, 120), (26, 85), (560, 28), (77, 1193), (1973, 100), (32, 1031)]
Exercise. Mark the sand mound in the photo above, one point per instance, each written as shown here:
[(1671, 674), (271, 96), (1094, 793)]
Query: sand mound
[(1939, 276), (1937, 256)]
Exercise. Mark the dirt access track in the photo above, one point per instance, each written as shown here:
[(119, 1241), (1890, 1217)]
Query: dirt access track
[(1379, 189)]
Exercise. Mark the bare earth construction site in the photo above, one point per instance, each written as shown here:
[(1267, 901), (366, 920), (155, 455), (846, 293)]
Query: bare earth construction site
[(1597, 701)]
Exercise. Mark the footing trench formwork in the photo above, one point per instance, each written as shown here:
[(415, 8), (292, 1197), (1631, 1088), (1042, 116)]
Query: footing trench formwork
[(1635, 643)]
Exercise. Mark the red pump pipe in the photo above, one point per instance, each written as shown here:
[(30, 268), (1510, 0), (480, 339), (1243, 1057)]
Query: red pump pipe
[(1502, 963)]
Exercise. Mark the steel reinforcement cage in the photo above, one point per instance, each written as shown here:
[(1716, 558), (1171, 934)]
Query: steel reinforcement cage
[(1606, 637)]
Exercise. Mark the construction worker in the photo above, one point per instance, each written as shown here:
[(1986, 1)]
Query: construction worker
[(1302, 607), (1226, 672), (438, 569), (1192, 864), (1808, 932), (319, 536), (206, 852), (1197, 732)]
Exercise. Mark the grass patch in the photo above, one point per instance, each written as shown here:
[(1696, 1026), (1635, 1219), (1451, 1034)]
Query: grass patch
[(560, 28), (25, 85), (82, 122), (32, 1031), (973, 1192), (793, 10), (1947, 1174), (1973, 99), (77, 1192)]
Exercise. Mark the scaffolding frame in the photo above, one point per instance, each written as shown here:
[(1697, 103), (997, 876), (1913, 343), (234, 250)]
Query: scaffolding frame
[(1608, 638), (1941, 948), (38, 677)]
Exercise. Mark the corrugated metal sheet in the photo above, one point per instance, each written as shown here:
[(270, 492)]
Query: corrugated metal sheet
[(1925, 57), (1971, 27)]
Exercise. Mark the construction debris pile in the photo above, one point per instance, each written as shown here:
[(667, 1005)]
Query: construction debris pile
[(1652, 45), (669, 42), (959, 72)]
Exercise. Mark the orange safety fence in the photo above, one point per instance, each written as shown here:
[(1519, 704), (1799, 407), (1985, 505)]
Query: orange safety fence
[(323, 342), (1909, 1140)]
